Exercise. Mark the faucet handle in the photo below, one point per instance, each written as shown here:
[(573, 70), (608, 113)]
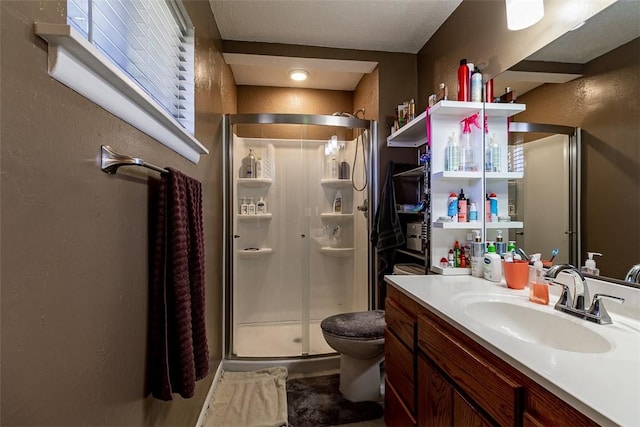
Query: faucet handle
[(598, 310), (565, 297)]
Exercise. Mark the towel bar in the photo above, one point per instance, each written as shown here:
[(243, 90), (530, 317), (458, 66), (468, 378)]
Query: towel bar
[(111, 161)]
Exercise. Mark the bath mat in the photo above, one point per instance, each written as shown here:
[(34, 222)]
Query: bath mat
[(316, 402), (250, 399)]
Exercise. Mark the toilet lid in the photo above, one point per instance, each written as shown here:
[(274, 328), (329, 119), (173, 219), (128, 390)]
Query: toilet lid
[(360, 325)]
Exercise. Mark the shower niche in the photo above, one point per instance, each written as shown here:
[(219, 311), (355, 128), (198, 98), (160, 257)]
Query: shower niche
[(296, 258)]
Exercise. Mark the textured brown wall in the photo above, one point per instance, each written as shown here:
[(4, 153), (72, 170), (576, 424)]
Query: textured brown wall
[(74, 239), (397, 82), (605, 104), (261, 99), (477, 30)]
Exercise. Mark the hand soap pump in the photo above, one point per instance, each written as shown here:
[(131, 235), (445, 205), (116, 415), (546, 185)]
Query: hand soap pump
[(538, 285), (589, 266), (492, 264)]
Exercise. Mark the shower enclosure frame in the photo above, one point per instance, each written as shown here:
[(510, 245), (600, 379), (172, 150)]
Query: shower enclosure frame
[(341, 121)]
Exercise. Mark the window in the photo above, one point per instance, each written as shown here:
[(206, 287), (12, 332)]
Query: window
[(143, 51)]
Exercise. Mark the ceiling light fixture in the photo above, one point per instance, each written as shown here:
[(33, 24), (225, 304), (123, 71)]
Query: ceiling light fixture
[(522, 14), (298, 75)]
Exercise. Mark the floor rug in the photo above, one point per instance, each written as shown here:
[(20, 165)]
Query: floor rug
[(316, 401), (249, 399)]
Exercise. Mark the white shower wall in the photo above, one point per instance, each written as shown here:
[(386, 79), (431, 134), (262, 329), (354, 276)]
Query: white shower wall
[(297, 277)]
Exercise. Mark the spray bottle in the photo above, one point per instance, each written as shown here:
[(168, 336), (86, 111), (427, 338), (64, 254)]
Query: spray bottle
[(589, 266), (468, 153)]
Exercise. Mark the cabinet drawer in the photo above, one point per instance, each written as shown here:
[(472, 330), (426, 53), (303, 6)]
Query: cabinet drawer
[(401, 322), (396, 413), (499, 395), (400, 368)]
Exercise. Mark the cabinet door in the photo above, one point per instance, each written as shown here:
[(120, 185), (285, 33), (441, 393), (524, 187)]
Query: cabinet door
[(396, 413), (400, 370), (435, 397), (464, 414)]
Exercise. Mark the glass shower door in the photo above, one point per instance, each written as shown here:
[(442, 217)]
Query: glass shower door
[(295, 263)]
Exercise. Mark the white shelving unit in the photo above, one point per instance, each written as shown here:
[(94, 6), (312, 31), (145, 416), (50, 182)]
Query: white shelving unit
[(445, 118)]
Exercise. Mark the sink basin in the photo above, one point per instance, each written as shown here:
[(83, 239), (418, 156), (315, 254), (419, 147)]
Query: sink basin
[(513, 317)]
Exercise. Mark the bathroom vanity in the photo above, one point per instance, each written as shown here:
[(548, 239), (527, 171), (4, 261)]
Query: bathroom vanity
[(465, 351)]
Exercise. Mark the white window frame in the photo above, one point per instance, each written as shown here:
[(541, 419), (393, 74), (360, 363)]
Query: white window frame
[(76, 63)]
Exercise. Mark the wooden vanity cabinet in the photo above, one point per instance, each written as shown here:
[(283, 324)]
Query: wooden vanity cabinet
[(439, 376)]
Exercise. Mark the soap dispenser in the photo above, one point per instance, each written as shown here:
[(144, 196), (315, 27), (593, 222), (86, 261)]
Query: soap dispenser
[(538, 285), (589, 266)]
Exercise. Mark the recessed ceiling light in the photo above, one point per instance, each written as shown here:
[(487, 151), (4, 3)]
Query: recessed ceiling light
[(298, 75)]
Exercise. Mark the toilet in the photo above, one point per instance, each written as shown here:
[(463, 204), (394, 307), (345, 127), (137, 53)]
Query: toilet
[(359, 338)]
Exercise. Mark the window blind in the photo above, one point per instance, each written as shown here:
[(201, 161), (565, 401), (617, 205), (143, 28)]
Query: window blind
[(151, 41)]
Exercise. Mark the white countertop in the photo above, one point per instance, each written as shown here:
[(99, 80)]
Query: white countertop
[(603, 386)]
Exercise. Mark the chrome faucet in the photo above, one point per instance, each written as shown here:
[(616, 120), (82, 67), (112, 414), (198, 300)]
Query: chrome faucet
[(576, 306)]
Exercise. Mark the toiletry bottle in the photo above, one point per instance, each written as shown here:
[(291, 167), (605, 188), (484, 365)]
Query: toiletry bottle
[(443, 93), (493, 201), (473, 212), (538, 285), (463, 81), (451, 258), (468, 154), (492, 264), (511, 246), (476, 85), (259, 167), (501, 247), (477, 256), (261, 206), (463, 258), (589, 266), (462, 207), (487, 209), (452, 155), (251, 207), (334, 169), (244, 207), (456, 253), (337, 202), (488, 91), (412, 110), (249, 165), (344, 169), (452, 207), (492, 155)]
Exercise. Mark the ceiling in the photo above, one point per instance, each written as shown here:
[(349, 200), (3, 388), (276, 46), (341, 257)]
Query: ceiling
[(385, 25)]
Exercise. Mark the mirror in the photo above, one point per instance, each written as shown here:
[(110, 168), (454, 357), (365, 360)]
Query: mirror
[(588, 79)]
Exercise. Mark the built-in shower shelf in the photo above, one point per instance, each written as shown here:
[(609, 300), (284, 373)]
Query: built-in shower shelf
[(338, 216), (255, 182), (255, 217), (336, 252), (250, 253), (336, 183)]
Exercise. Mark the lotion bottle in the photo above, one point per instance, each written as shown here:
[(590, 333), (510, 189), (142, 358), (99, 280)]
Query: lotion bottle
[(492, 265)]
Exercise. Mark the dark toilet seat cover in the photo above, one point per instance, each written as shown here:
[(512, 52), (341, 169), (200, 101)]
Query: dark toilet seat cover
[(366, 325)]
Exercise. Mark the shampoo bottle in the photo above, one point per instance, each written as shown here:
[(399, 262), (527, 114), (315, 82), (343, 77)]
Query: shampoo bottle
[(261, 206), (492, 265), (244, 207), (249, 165), (251, 208), (538, 285), (589, 266), (337, 202)]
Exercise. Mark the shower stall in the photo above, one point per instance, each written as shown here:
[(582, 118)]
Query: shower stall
[(299, 190)]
